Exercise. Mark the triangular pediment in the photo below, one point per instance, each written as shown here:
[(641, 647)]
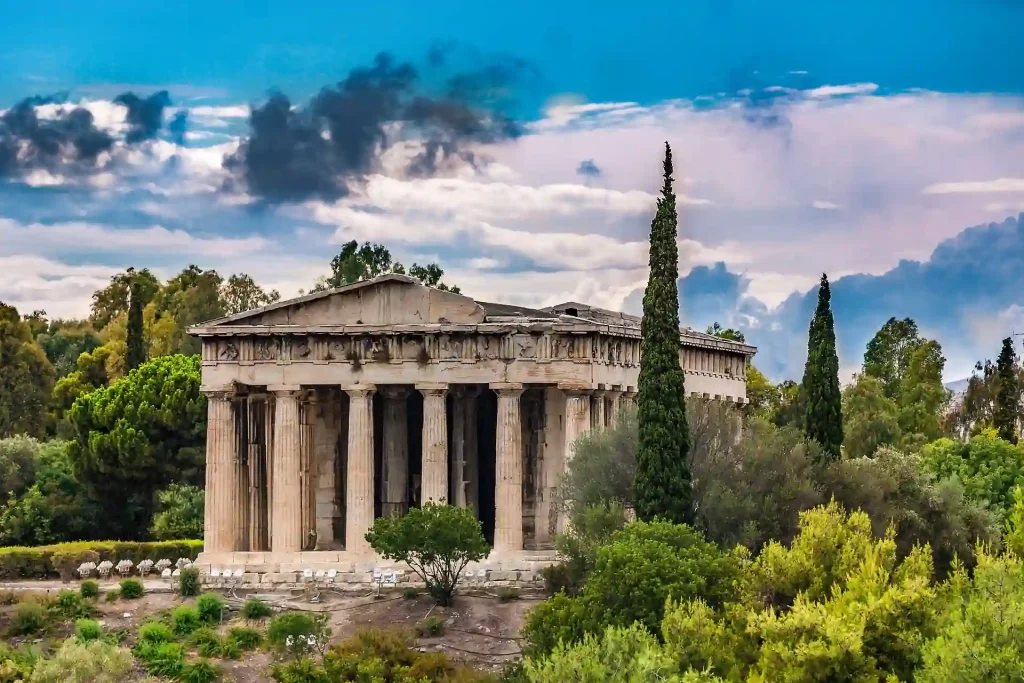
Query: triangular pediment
[(385, 300)]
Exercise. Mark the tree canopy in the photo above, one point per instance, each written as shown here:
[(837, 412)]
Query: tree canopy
[(354, 263), (26, 378), (823, 411)]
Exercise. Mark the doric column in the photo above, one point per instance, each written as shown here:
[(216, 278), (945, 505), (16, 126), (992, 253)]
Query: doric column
[(222, 519), (325, 440), (359, 496), (435, 443), (287, 504), (458, 493), (256, 414), (508, 470), (597, 416), (629, 397), (394, 481), (471, 449), (577, 423), (614, 406)]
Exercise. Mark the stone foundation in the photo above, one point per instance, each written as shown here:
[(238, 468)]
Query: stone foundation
[(284, 571)]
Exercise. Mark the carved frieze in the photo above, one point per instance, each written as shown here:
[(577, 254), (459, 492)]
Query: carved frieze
[(266, 348)]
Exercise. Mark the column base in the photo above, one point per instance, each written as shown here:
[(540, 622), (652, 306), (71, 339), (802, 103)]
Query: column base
[(284, 571)]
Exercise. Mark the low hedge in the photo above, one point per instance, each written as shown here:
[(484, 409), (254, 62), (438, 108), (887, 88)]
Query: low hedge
[(39, 562)]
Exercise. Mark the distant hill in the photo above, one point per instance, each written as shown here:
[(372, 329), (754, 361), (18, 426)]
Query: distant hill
[(958, 386)]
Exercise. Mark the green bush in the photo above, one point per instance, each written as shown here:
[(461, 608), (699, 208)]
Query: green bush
[(17, 663), (29, 617), (113, 595), (211, 608), (508, 594), (96, 661), (155, 632), (131, 589), (387, 656), (70, 605), (619, 654), (88, 629), (410, 592), (19, 562), (161, 659), (591, 527), (181, 513), (206, 641), (184, 619), (255, 609), (201, 671), (246, 638), (188, 582), (437, 541), (298, 633), (431, 627), (90, 588), (229, 649)]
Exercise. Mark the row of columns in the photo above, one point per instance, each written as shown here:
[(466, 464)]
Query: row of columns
[(227, 476)]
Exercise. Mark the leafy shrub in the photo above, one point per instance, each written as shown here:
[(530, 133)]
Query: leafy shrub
[(410, 592), (591, 527), (29, 617), (200, 671), (87, 629), (387, 656), (19, 562), (206, 641), (246, 638), (298, 633), (988, 467), (508, 594), (95, 661), (184, 619), (188, 582), (431, 627), (181, 513), (229, 649), (90, 588), (131, 589), (16, 664), (155, 632), (255, 609), (162, 658), (113, 595), (437, 541), (302, 670), (211, 608), (619, 654), (70, 605)]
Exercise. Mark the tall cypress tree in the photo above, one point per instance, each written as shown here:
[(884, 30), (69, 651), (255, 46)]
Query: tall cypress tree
[(823, 412), (662, 474), (135, 354), (1007, 399)]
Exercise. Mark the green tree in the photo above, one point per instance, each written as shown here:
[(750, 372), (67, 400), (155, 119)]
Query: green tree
[(137, 436), (989, 467), (18, 460), (241, 293), (790, 411), (887, 357), (765, 398), (1006, 407), (112, 300), (26, 377), (870, 418), (135, 342), (823, 408), (181, 513), (189, 298), (354, 263), (64, 341), (717, 330), (662, 475), (437, 541)]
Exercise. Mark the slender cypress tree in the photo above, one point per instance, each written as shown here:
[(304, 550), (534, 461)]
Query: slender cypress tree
[(1007, 399), (135, 354), (662, 472), (823, 411)]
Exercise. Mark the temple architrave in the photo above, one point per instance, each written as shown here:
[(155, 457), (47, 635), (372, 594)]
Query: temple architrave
[(338, 407)]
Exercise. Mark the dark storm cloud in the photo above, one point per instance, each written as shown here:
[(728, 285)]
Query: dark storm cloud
[(69, 142), (318, 150), (588, 169)]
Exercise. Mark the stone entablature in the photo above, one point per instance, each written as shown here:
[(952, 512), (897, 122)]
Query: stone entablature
[(328, 410)]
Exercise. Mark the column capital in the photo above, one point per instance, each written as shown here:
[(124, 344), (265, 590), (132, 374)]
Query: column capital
[(432, 388), (359, 390), (575, 388), (223, 392), (395, 391), (506, 388), (284, 389)]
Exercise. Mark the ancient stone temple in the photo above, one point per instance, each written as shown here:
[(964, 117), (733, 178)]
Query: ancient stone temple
[(337, 407)]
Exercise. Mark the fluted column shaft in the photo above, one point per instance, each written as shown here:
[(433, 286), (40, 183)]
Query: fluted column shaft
[(458, 436), (471, 450), (614, 407), (508, 470), (577, 423), (359, 494), (287, 504), (597, 416), (434, 486), (224, 496), (395, 477)]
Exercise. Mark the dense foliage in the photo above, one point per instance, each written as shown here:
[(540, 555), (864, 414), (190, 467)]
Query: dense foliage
[(26, 377), (823, 414), (662, 477), (988, 467), (180, 514), (138, 436), (436, 541), (354, 263), (1006, 404)]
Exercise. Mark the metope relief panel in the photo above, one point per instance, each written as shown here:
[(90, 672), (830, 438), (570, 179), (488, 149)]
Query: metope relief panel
[(266, 349), (297, 349)]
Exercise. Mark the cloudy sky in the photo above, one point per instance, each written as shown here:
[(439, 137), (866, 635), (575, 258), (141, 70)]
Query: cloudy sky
[(520, 148)]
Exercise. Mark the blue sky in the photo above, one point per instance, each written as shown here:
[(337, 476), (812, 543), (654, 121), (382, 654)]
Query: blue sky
[(840, 137)]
